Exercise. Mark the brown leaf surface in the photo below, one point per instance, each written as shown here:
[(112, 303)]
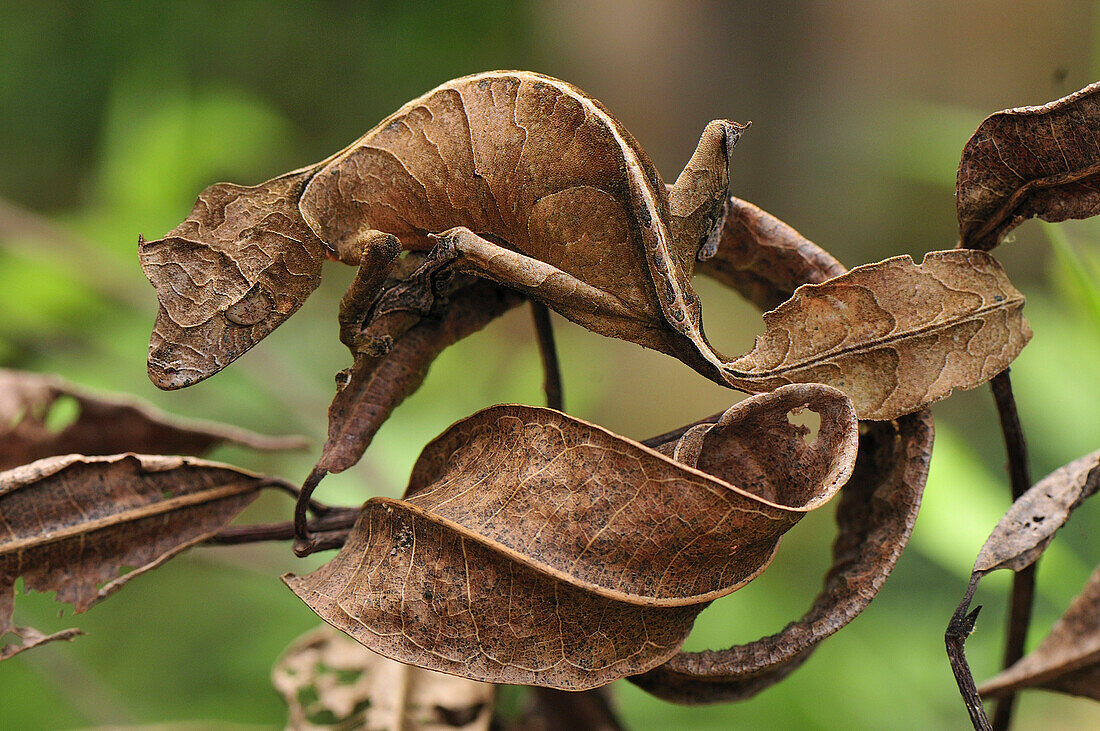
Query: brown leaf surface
[(328, 679), (71, 524), (877, 511), (242, 262), (30, 638), (765, 259), (102, 424), (1031, 161), (1068, 659), (521, 525), (894, 335), (1029, 525)]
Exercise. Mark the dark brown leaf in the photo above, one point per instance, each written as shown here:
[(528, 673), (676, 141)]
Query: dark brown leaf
[(97, 425), (328, 679), (520, 525), (1024, 532), (765, 259), (71, 524), (1031, 161), (1068, 659), (894, 336), (877, 511), (30, 638)]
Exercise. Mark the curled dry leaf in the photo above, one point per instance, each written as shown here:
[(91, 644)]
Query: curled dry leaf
[(521, 526), (1024, 532), (99, 425), (1068, 659), (72, 523), (877, 511), (1031, 161), (30, 638), (328, 679), (894, 335)]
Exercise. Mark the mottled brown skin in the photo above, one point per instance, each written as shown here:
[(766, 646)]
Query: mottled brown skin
[(509, 175)]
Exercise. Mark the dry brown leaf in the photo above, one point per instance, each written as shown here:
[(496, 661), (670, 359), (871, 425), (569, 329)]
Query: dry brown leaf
[(328, 679), (877, 511), (894, 335), (521, 525), (1031, 161), (30, 638), (98, 425), (1068, 659), (71, 524), (765, 259), (1024, 532)]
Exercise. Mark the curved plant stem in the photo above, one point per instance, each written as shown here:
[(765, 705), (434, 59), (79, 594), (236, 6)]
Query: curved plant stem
[(544, 331), (958, 629), (1023, 583)]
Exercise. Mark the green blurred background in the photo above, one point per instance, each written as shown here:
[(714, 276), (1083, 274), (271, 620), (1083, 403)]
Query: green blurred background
[(114, 115)]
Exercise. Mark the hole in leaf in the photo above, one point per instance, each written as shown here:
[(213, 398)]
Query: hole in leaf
[(63, 413), (808, 420)]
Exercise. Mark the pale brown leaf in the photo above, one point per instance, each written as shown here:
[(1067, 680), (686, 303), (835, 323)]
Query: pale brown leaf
[(894, 335), (98, 425), (1029, 525), (1068, 659), (520, 524), (877, 511), (71, 524), (1031, 161), (328, 679), (29, 638)]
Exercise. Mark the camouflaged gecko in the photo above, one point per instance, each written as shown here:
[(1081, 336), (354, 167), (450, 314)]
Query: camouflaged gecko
[(508, 175)]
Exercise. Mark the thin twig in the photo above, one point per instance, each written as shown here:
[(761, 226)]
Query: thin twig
[(1023, 583), (958, 629), (585, 711), (304, 544), (675, 434), (544, 330), (324, 528)]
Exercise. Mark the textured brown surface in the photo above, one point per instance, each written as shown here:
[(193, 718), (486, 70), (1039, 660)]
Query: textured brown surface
[(103, 425), (535, 548), (877, 511), (1068, 659), (1030, 524), (1032, 161), (329, 680), (70, 524), (894, 335)]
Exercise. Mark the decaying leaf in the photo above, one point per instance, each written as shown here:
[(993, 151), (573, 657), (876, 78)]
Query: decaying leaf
[(29, 637), (1024, 532), (535, 548), (71, 524), (1068, 659), (894, 335), (765, 259), (1031, 161), (877, 511), (98, 425), (328, 679)]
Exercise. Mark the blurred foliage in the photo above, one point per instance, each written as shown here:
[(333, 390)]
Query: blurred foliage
[(113, 116)]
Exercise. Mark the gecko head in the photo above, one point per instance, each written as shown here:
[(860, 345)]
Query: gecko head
[(241, 263)]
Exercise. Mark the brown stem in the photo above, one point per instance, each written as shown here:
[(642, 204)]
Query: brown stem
[(958, 629), (1023, 583), (585, 711), (333, 524), (675, 434), (304, 543), (544, 330)]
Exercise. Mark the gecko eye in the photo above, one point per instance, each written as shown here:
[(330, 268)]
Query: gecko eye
[(250, 309)]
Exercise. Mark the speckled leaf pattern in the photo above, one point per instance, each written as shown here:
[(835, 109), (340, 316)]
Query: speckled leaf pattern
[(1068, 658), (70, 524), (894, 335), (1032, 161), (329, 680), (1030, 524), (521, 526), (102, 424)]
